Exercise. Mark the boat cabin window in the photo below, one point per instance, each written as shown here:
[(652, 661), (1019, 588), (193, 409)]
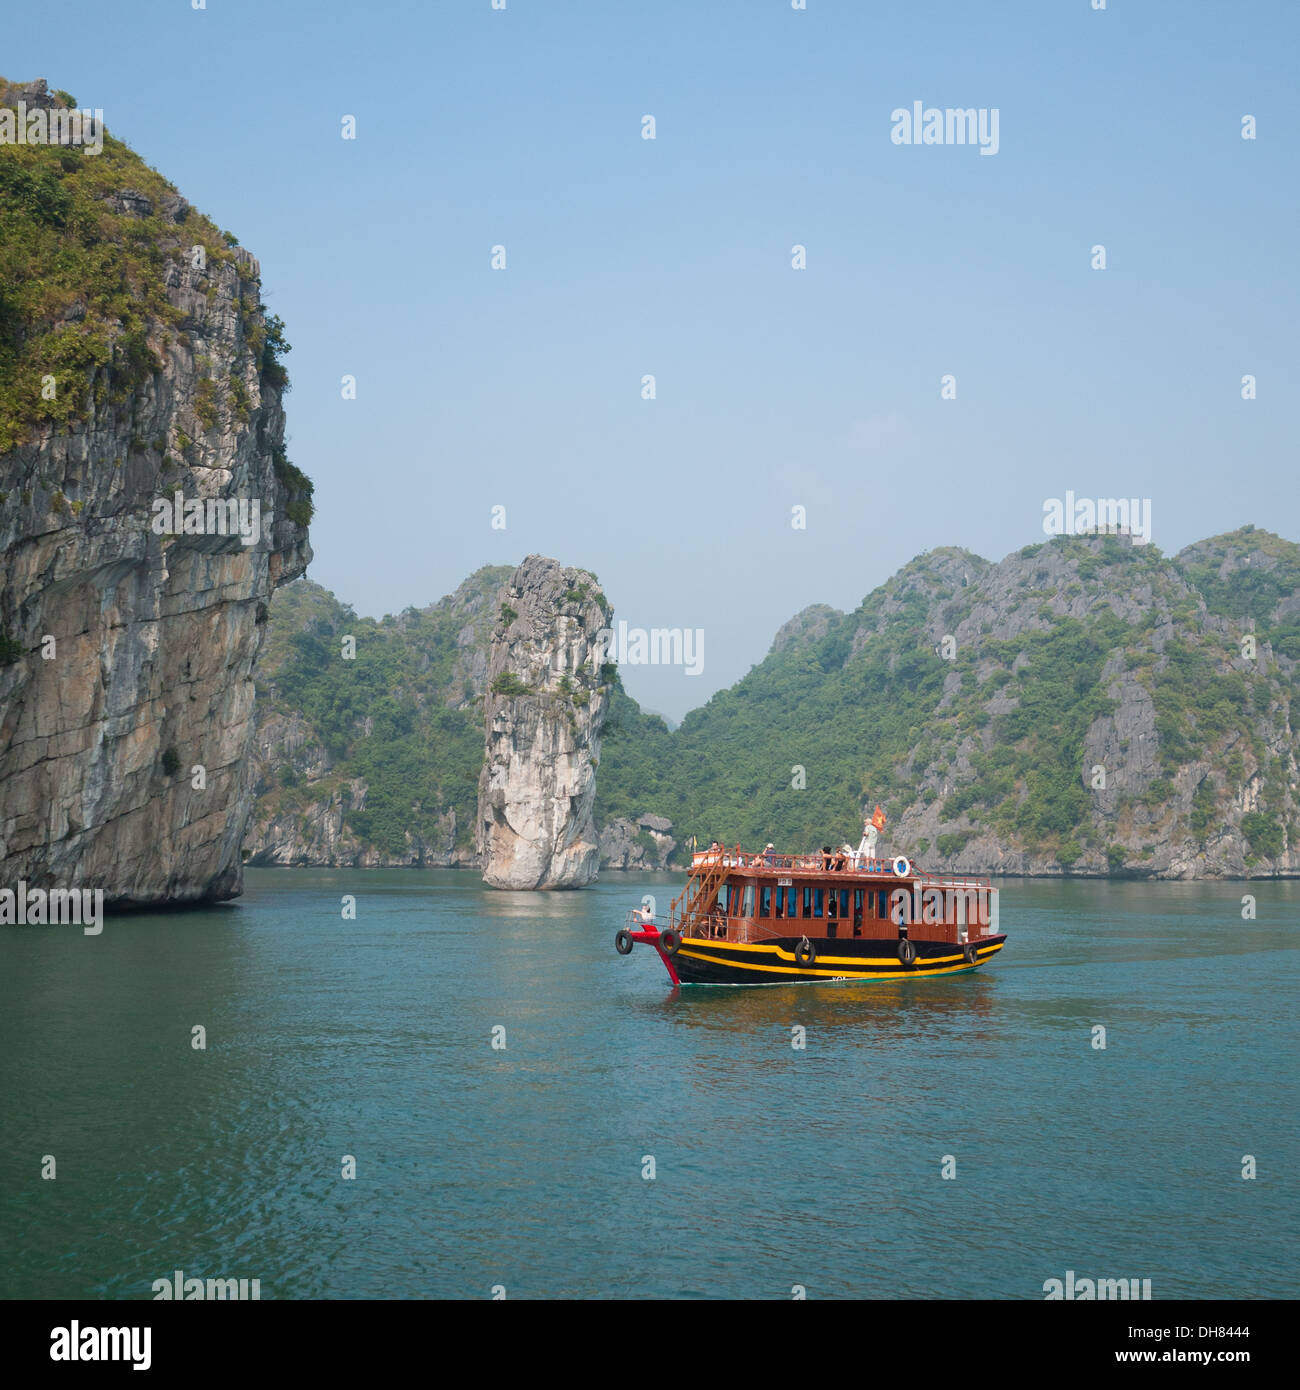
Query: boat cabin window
[(812, 901), (765, 900), (882, 904), (724, 898), (747, 901), (844, 902)]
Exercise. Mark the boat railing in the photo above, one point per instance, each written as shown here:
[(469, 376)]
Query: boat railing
[(929, 880), (712, 861)]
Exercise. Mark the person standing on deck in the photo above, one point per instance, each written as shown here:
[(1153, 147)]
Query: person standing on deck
[(870, 832)]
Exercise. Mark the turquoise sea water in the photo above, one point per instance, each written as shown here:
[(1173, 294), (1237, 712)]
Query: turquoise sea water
[(523, 1167)]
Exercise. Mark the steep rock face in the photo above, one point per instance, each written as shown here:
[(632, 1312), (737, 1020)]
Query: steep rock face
[(645, 843), (545, 707), (1086, 706), (129, 654), (319, 833), (1187, 768), (975, 701)]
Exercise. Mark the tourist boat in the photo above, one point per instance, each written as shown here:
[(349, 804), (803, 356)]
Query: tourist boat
[(844, 914)]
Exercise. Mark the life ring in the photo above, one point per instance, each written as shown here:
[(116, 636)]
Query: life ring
[(805, 952), (670, 942), (623, 943), (905, 870), (970, 953), (906, 951)]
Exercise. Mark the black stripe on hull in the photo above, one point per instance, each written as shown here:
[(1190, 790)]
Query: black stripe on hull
[(702, 962)]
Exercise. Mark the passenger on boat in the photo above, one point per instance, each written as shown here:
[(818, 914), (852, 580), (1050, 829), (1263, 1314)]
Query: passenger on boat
[(646, 914), (766, 857), (827, 853), (867, 849)]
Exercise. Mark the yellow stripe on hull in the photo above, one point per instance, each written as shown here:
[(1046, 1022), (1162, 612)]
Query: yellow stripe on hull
[(898, 971)]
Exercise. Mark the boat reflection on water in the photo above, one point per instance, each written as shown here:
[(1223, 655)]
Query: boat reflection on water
[(881, 1010)]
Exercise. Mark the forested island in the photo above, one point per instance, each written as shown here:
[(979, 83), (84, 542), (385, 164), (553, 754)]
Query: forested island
[(1086, 706)]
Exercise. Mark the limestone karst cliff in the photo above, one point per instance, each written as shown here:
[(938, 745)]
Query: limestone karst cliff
[(645, 843), (371, 761), (1066, 657), (337, 786), (1085, 706), (547, 695), (138, 367)]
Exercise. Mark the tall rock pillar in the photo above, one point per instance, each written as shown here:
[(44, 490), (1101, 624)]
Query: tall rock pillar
[(545, 706)]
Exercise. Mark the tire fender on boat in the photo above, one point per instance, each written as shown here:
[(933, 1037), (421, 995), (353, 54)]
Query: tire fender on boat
[(906, 866), (670, 942), (623, 943), (970, 953), (906, 951), (805, 952)]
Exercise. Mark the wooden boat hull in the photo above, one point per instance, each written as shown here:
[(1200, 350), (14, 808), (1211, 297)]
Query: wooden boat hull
[(700, 961)]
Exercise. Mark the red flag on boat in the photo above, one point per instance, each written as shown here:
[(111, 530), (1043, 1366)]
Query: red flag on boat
[(878, 818)]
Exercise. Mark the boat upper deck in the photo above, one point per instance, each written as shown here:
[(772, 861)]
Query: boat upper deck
[(746, 897), (837, 864)]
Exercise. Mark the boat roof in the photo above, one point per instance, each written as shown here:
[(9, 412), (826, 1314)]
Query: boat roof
[(771, 865)]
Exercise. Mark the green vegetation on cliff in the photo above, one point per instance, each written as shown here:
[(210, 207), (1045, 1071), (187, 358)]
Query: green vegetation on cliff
[(85, 241), (403, 715), (1001, 739), (1094, 709)]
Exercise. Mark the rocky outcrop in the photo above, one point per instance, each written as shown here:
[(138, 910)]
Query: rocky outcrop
[(545, 706), (1173, 675), (316, 831), (976, 701), (327, 796), (126, 693), (645, 843), (306, 810), (805, 627)]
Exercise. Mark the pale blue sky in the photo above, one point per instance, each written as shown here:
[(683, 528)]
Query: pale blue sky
[(819, 388)]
